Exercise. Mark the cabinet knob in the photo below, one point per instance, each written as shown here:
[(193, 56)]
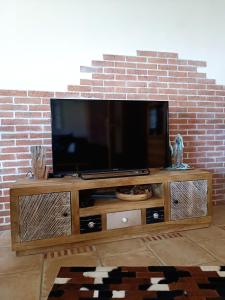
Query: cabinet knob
[(65, 214), (124, 220), (156, 215), (91, 224), (175, 201)]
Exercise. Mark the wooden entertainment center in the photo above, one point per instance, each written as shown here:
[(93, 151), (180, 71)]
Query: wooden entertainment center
[(49, 213)]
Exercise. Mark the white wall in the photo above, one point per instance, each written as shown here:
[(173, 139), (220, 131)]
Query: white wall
[(44, 42)]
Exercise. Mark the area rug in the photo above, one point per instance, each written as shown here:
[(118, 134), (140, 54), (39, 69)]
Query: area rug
[(139, 283)]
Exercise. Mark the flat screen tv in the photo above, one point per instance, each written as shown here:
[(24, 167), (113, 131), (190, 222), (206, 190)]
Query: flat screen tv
[(108, 135)]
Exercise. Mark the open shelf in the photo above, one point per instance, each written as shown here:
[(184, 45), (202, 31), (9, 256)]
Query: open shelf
[(113, 205)]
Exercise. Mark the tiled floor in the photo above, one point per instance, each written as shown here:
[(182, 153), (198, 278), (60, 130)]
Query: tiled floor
[(31, 277)]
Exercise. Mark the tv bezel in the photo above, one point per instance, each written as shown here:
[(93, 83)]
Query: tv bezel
[(142, 171)]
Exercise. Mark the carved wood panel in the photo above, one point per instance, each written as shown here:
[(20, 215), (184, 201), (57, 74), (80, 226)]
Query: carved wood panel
[(188, 199), (44, 216)]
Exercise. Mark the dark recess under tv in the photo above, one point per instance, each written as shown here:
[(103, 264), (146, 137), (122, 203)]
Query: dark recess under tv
[(113, 173)]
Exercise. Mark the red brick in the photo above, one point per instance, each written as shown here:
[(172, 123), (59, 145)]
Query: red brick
[(162, 61), (23, 100), (167, 54), (7, 128), (7, 143), (158, 84), (91, 82), (136, 84), (137, 72), (147, 53), (114, 70), (13, 107), (92, 95), (167, 67), (66, 94), (5, 227), (102, 63), (147, 66), (114, 57), (41, 107), (102, 89), (78, 88), (6, 114), (41, 94), (15, 149), (125, 77), (6, 99), (157, 73), (28, 142), (119, 64), (14, 121), (178, 74), (85, 69), (125, 90), (147, 78), (147, 90), (187, 68), (197, 75), (137, 97), (28, 114), (13, 93), (115, 96), (168, 91), (18, 163), (197, 63), (103, 76), (114, 83), (136, 59), (15, 136)]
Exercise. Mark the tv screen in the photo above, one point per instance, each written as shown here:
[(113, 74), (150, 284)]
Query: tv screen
[(101, 135)]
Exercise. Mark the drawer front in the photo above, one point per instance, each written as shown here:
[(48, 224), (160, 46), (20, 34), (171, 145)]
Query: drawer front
[(123, 219), (154, 215), (90, 224), (188, 199), (44, 216)]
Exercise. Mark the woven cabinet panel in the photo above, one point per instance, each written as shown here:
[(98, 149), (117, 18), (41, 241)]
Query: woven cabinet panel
[(188, 199), (44, 216)]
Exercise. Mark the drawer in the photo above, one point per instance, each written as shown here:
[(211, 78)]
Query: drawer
[(154, 215), (90, 224), (123, 219)]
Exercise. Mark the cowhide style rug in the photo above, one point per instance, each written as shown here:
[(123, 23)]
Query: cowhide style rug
[(139, 283)]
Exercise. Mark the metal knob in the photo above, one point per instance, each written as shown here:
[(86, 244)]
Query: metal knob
[(91, 224), (124, 220), (175, 201), (156, 215), (65, 214)]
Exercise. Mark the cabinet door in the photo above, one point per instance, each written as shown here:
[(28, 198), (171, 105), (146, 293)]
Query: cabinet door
[(45, 216), (188, 199)]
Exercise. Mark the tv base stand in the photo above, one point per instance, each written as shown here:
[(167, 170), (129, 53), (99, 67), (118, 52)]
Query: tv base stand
[(49, 213), (114, 173)]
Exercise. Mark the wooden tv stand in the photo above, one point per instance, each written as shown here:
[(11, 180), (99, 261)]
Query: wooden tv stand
[(46, 213)]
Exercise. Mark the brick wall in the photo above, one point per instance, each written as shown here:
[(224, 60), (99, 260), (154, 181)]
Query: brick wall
[(196, 110)]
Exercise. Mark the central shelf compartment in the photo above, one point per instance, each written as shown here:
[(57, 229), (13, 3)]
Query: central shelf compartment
[(105, 200), (113, 205)]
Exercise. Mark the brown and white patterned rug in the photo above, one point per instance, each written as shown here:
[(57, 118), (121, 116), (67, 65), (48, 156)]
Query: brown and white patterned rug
[(139, 283)]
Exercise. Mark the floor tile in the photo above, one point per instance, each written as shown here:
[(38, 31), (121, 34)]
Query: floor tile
[(20, 286), (141, 258), (219, 215), (52, 266), (212, 263), (112, 248), (180, 251), (211, 232), (216, 247), (10, 263), (5, 238)]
